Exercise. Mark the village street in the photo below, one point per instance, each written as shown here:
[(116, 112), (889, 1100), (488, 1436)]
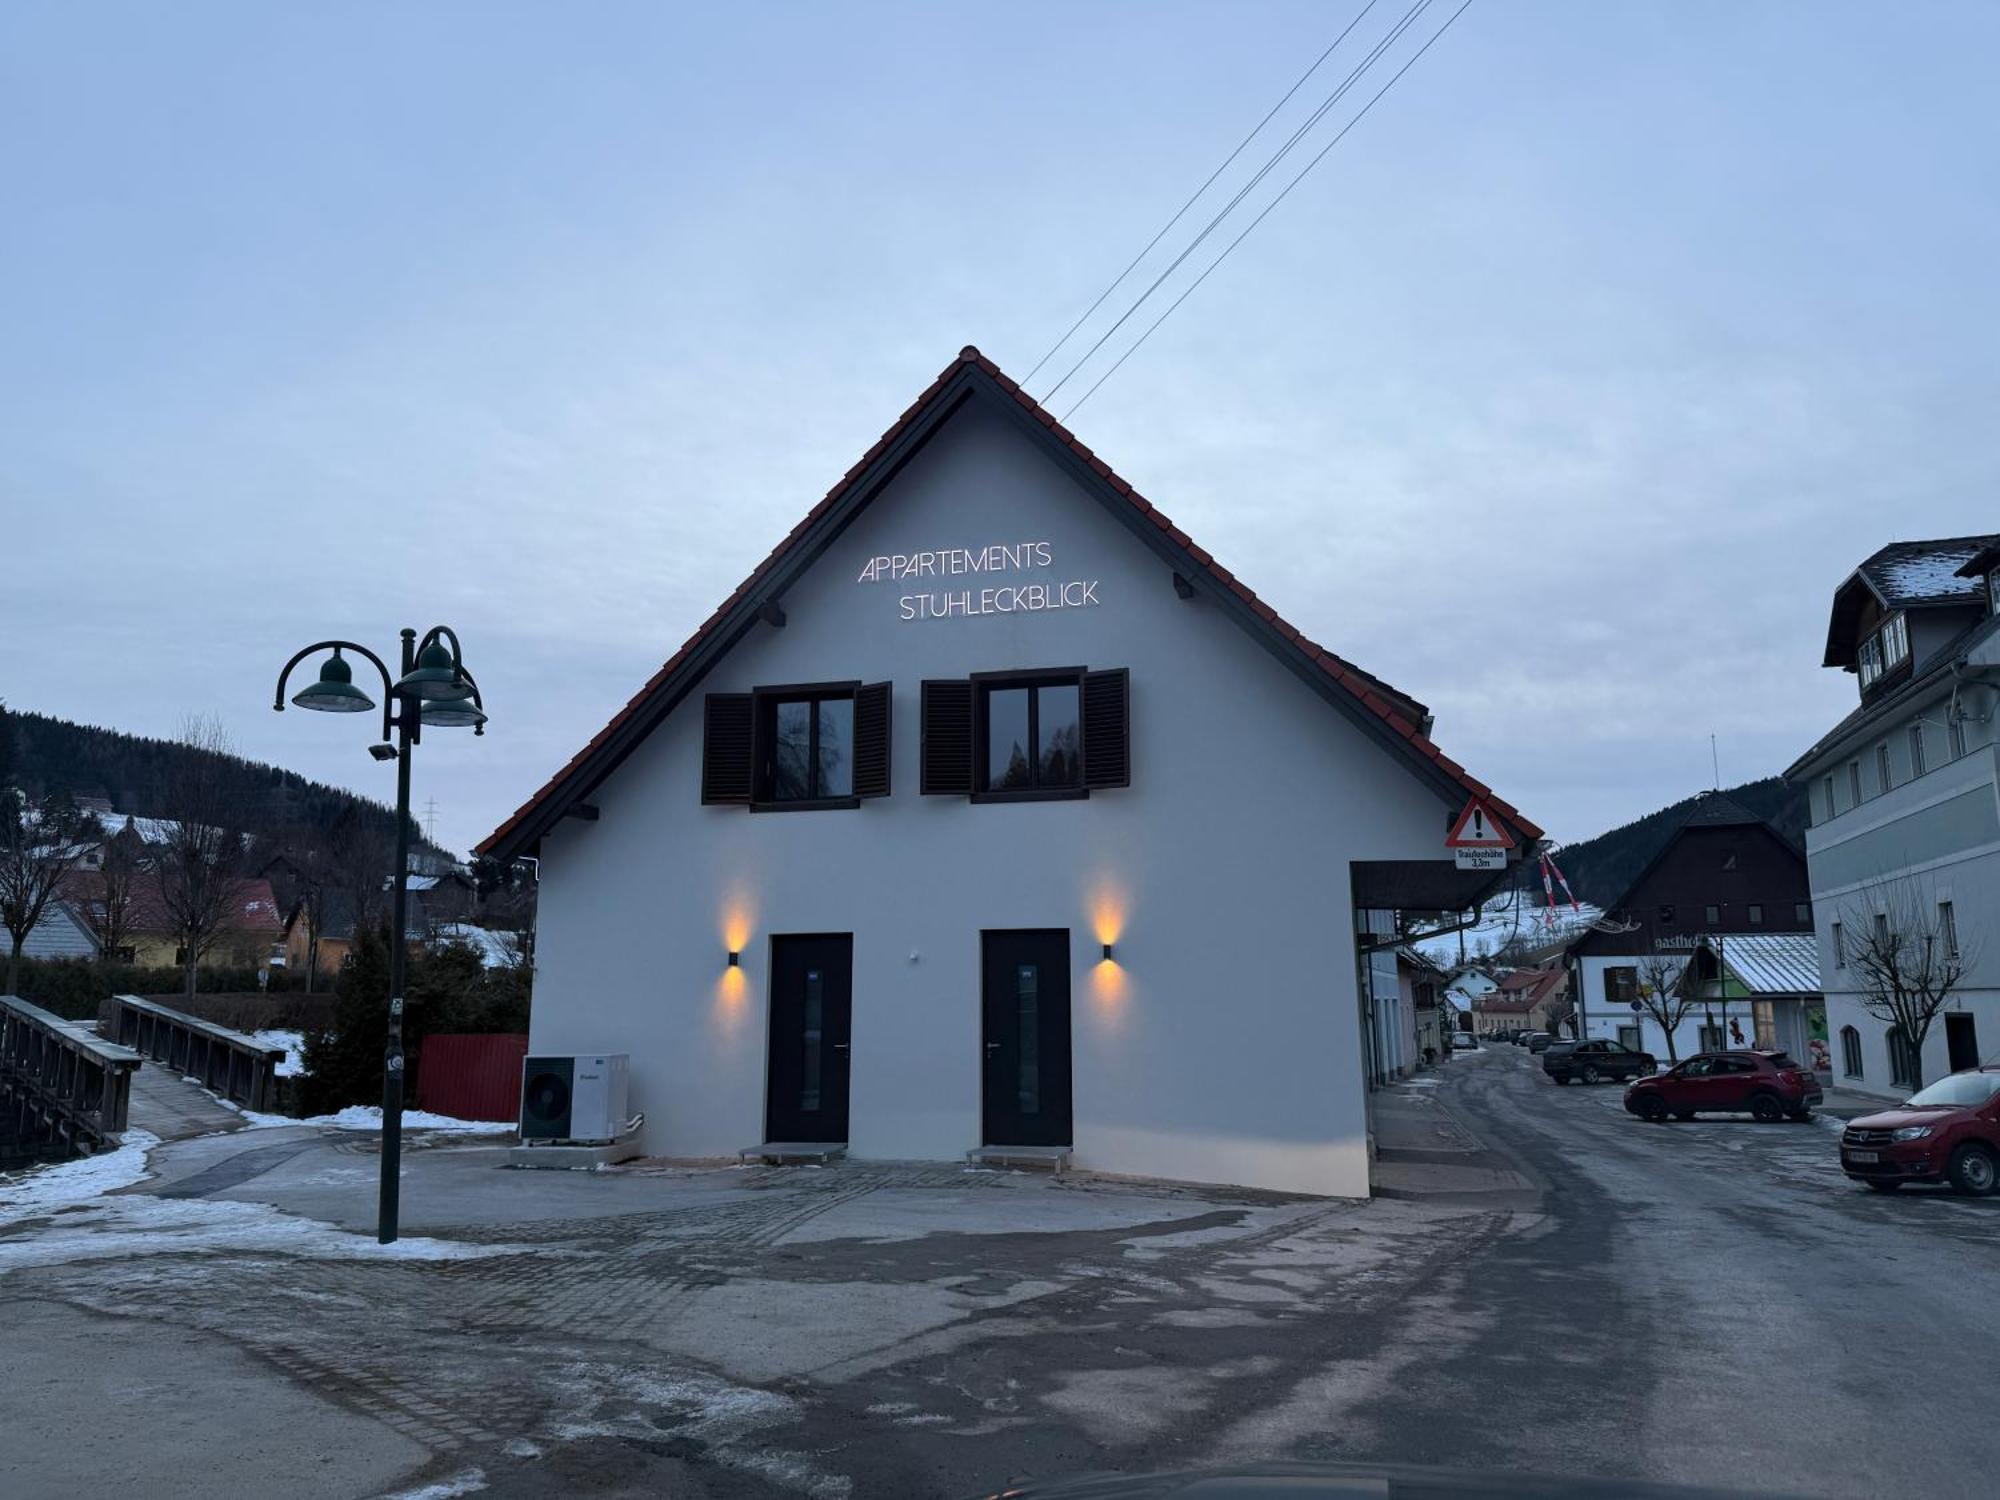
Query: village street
[(1708, 1303)]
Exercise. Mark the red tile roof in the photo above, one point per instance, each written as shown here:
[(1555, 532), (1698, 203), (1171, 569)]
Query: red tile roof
[(1404, 714)]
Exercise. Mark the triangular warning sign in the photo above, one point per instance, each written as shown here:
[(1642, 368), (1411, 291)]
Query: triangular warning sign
[(1477, 828)]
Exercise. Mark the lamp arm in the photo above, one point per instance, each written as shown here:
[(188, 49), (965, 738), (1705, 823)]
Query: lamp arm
[(388, 682)]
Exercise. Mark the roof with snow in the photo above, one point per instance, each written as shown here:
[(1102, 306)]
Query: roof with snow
[(1398, 721), (1905, 575)]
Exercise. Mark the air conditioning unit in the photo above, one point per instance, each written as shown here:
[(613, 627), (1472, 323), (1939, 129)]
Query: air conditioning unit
[(579, 1098)]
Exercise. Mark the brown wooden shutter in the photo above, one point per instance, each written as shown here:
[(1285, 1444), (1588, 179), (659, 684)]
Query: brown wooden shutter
[(1107, 728), (726, 757), (946, 769), (871, 740)]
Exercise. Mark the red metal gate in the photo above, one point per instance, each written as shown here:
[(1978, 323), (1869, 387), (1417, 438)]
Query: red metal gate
[(472, 1077)]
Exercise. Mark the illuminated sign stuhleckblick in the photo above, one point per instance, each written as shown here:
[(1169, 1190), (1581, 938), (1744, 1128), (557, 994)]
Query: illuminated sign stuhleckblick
[(999, 599)]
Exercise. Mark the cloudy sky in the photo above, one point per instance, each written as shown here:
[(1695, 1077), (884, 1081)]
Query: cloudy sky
[(1562, 393)]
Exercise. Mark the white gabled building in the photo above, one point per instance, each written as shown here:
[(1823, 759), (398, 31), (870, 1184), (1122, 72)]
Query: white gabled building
[(992, 812)]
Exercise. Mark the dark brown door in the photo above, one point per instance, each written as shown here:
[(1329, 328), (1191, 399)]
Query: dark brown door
[(1961, 1040), (1025, 988), (812, 1015)]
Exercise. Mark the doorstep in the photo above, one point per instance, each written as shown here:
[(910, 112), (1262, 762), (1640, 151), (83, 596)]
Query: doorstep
[(1052, 1159), (795, 1153)]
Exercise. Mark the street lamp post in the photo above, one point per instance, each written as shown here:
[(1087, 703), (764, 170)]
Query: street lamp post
[(432, 689)]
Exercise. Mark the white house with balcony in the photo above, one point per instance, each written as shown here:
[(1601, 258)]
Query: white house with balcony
[(1905, 799)]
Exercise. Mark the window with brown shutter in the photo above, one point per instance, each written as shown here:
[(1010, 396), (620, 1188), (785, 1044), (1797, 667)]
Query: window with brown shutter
[(726, 753), (872, 738), (1038, 735), (945, 755), (1107, 728)]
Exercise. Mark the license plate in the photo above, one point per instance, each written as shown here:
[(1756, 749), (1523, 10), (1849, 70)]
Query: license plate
[(1865, 1156)]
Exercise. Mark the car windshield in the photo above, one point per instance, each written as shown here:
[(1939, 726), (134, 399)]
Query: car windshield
[(1959, 1090)]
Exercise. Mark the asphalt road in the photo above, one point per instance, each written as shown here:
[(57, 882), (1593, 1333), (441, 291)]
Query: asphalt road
[(1716, 1302), (1709, 1303)]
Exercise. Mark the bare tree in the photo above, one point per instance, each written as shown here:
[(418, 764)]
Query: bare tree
[(362, 858), (201, 862), (1664, 996), (109, 912), (1907, 958), (37, 847)]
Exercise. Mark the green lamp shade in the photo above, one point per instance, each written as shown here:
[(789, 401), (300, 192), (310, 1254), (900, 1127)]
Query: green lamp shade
[(453, 713), (335, 692), (434, 677)]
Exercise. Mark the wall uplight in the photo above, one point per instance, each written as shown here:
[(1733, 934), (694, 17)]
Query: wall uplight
[(735, 958), (1109, 956)]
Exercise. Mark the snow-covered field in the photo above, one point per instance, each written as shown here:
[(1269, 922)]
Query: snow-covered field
[(1518, 917)]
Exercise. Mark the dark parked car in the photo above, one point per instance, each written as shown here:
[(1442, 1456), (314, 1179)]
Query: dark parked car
[(1539, 1041), (1593, 1061), (1947, 1132), (1767, 1084)]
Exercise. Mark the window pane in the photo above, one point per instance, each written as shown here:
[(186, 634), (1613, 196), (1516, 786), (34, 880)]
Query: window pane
[(1007, 763), (791, 755), (836, 748), (1027, 996), (1061, 737)]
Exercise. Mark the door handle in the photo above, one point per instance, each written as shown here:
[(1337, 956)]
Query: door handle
[(991, 1048), (840, 1046)]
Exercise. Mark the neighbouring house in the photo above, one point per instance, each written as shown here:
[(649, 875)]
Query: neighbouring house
[(1523, 999), (440, 899), (1905, 836), (331, 946), (1421, 984), (62, 932), (1722, 877), (1758, 989), (1467, 987), (252, 937), (992, 815)]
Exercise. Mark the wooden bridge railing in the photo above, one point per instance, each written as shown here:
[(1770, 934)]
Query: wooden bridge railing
[(60, 1082), (231, 1063)]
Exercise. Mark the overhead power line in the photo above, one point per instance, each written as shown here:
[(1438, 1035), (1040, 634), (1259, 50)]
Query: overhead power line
[(1180, 212), (1417, 8), (1466, 5)]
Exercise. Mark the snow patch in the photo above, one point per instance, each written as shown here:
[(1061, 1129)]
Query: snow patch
[(464, 1482), (133, 1225), (617, 1401), (369, 1117), (42, 1190), (294, 1043)]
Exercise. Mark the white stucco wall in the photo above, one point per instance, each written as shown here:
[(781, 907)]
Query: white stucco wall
[(1224, 1043)]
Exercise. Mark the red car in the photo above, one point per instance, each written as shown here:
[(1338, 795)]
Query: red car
[(1949, 1132), (1767, 1084)]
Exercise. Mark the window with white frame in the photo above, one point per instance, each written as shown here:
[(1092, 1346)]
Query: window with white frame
[(1948, 927), (1917, 748), (1884, 780), (1884, 651)]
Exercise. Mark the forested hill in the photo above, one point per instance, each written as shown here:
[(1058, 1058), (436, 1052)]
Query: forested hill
[(42, 755), (1602, 868)]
